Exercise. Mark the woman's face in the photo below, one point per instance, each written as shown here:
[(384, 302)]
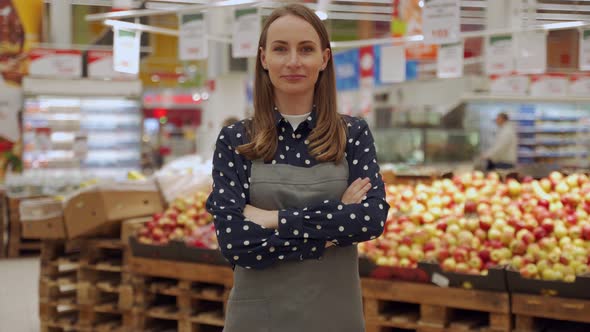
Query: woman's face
[(293, 55)]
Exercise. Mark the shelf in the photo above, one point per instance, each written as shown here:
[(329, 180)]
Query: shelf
[(531, 142), (531, 130)]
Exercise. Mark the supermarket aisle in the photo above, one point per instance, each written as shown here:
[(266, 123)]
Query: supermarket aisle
[(19, 284)]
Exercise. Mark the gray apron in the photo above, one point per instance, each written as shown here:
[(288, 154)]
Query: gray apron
[(298, 296)]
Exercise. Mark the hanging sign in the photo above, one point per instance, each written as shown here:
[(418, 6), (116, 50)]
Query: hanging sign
[(450, 60), (393, 64), (347, 69), (55, 63), (499, 55), (579, 85), (246, 33), (441, 21), (100, 65), (193, 44), (516, 85), (531, 57), (126, 46), (554, 85), (585, 49)]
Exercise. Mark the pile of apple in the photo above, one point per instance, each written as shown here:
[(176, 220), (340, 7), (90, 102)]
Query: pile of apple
[(474, 222), (186, 219)]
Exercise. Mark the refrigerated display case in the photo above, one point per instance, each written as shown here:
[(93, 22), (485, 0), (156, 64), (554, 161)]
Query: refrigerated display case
[(89, 125), (549, 132)]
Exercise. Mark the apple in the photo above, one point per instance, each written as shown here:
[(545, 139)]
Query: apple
[(526, 236), (548, 225), (462, 267), (518, 247), (449, 264), (494, 234), (586, 232), (484, 255), (443, 254), (529, 271), (485, 223), (560, 231), (562, 188), (539, 233), (460, 255), (514, 188), (476, 263)]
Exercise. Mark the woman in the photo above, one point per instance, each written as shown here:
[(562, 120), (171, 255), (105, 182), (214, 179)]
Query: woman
[(295, 189)]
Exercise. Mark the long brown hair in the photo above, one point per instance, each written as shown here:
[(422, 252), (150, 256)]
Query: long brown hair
[(327, 141)]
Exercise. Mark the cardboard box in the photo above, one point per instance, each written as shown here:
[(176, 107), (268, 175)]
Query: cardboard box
[(495, 280), (88, 210), (51, 228), (367, 268), (41, 218), (579, 289), (202, 255), (169, 251)]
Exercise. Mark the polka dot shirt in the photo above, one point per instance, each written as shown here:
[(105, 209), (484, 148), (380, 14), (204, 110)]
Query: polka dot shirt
[(302, 232)]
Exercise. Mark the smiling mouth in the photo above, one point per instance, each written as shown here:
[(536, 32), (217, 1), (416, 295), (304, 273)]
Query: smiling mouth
[(293, 77)]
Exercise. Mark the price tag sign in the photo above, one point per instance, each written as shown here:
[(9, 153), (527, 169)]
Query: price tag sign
[(515, 85), (441, 21), (532, 53), (127, 46), (193, 44), (549, 85), (585, 49), (450, 61), (246, 33), (579, 85), (393, 64), (500, 55), (55, 63)]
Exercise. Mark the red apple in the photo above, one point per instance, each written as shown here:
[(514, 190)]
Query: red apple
[(548, 225), (460, 255), (539, 233), (586, 232), (484, 255), (571, 219)]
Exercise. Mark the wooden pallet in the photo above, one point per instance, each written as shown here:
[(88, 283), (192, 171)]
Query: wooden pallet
[(178, 296), (539, 313), (391, 305), (17, 245)]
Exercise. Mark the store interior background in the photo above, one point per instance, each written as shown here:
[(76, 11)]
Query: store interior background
[(422, 125)]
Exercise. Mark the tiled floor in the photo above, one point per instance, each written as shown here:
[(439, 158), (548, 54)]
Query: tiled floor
[(19, 284)]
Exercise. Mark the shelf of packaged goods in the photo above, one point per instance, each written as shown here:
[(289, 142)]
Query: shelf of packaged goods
[(532, 130)]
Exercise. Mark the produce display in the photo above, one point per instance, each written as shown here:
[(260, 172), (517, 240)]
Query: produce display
[(473, 222), (186, 219)]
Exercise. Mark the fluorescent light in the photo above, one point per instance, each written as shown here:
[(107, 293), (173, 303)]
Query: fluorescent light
[(563, 25), (322, 15)]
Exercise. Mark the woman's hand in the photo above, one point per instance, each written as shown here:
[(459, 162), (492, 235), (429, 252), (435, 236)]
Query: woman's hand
[(356, 191), (264, 218)]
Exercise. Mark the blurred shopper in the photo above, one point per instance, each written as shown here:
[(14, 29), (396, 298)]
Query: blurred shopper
[(295, 189), (503, 153)]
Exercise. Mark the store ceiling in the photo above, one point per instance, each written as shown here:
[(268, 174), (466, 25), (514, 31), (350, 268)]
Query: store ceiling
[(472, 11)]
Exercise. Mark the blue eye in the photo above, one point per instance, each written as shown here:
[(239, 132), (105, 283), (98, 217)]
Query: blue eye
[(280, 49), (308, 49)]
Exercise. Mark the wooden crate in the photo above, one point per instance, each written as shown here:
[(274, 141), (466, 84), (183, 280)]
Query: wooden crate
[(419, 307), (537, 313), (17, 246)]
